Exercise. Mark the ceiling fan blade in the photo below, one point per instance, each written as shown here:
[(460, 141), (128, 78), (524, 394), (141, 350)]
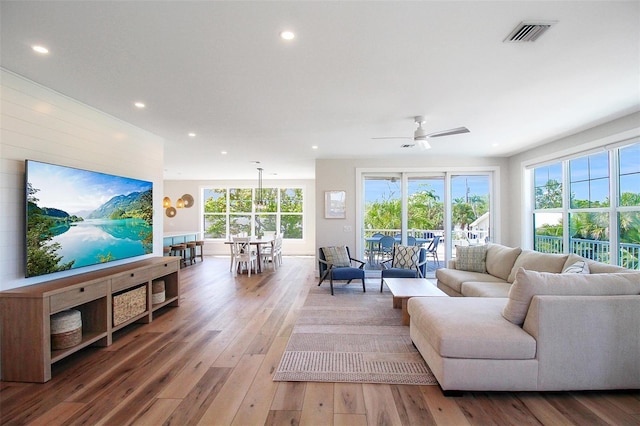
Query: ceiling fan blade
[(456, 131), (394, 137)]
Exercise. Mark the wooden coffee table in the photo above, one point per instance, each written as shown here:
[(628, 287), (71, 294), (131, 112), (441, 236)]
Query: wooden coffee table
[(403, 289)]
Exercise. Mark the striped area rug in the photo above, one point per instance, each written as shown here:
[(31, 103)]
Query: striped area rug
[(352, 337)]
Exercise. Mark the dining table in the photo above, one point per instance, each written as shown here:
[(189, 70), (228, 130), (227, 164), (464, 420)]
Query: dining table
[(258, 242)]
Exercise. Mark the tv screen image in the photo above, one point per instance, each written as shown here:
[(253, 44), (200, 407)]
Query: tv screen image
[(77, 218)]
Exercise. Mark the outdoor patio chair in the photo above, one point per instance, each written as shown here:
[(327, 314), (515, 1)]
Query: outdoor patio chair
[(407, 262), (386, 246), (432, 250), (337, 264)]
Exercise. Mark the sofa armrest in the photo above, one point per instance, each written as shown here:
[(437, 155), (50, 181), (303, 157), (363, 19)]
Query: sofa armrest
[(586, 342)]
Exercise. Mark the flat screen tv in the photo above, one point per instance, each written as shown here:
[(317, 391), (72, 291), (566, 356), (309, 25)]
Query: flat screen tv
[(77, 218)]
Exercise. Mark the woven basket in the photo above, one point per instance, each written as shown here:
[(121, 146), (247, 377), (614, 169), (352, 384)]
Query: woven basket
[(157, 292), (129, 304), (66, 329)]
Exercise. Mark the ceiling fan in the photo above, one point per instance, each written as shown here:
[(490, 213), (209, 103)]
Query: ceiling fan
[(420, 136)]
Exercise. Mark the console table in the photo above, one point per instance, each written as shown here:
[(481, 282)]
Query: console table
[(25, 313)]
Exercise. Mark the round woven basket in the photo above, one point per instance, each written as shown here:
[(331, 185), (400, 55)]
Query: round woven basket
[(157, 292), (66, 329)]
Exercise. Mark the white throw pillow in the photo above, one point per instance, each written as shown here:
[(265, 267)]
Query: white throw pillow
[(579, 267), (405, 257), (531, 283)]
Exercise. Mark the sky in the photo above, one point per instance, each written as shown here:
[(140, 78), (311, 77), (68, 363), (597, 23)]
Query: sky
[(75, 190), (380, 189)]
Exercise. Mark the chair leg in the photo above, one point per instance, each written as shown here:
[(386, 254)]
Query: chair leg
[(381, 284), (331, 283), (364, 289)]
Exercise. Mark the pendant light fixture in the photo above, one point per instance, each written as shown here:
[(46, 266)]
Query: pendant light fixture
[(259, 202)]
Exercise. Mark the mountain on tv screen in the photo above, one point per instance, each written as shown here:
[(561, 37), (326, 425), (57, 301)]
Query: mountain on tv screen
[(77, 218)]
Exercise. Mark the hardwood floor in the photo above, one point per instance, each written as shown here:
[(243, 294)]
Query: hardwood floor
[(210, 361)]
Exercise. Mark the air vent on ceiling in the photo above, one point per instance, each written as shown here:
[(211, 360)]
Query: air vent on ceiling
[(407, 145), (528, 31)]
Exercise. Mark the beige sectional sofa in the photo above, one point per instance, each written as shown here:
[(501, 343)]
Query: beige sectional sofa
[(521, 329)]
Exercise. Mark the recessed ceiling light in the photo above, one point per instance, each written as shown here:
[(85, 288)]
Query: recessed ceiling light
[(192, 135), (139, 104), (40, 49), (223, 152), (287, 35), (314, 147)]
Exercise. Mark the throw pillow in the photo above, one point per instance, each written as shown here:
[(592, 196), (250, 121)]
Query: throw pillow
[(472, 258), (579, 267), (337, 256), (532, 283), (405, 257), (537, 261)]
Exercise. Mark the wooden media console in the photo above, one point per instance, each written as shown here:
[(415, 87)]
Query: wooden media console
[(25, 312)]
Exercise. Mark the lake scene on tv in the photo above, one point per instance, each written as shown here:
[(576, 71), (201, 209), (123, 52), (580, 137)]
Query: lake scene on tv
[(77, 218)]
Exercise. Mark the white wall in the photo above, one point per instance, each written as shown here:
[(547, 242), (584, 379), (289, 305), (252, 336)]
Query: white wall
[(190, 220), (624, 128), (40, 124), (341, 175)]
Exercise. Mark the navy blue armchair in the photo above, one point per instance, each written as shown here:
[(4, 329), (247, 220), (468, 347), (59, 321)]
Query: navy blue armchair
[(337, 264), (406, 262)]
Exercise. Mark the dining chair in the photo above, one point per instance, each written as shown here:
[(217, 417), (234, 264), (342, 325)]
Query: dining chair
[(411, 241), (243, 255), (273, 253)]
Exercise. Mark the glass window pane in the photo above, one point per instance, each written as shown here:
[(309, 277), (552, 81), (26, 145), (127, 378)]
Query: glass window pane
[(629, 229), (580, 195), (240, 200), (425, 207), (215, 226), (239, 224), (589, 235), (630, 159), (266, 223), (291, 226), (579, 169), (599, 165), (549, 195), (548, 232), (630, 190), (215, 200), (470, 201), (599, 193), (291, 200)]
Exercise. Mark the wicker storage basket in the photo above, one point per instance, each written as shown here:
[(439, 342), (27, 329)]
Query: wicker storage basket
[(66, 329), (157, 292), (129, 304)]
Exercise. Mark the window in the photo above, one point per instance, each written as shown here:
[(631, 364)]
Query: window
[(599, 209), (232, 211)]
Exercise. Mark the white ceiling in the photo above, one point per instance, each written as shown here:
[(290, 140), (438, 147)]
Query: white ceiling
[(355, 70)]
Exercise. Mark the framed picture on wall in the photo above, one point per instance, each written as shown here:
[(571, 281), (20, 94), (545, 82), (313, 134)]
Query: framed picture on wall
[(334, 205)]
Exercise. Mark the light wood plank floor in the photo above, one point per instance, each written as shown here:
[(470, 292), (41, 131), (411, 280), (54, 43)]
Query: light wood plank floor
[(211, 360)]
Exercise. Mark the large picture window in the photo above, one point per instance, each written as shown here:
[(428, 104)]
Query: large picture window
[(590, 206), (233, 211)]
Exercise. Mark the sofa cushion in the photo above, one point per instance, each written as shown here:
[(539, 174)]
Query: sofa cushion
[(454, 278), (471, 258), (531, 283), (500, 260), (485, 289), (470, 327), (536, 261)]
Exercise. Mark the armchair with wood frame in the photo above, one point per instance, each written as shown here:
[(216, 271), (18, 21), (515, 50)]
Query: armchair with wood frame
[(337, 264)]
